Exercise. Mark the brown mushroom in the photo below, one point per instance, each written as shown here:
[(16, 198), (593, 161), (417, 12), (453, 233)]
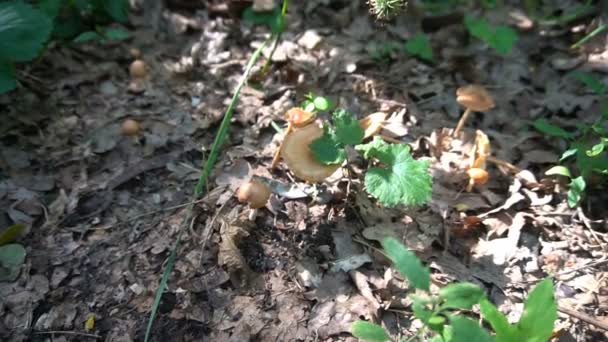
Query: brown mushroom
[(135, 53), (137, 69), (473, 98), (372, 124), (255, 193), (130, 127), (299, 159), (137, 86), (295, 117), (477, 176)]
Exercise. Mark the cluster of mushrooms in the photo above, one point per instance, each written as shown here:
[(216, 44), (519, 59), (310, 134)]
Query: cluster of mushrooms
[(138, 70)]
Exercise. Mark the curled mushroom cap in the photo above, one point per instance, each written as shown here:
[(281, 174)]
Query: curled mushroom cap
[(298, 117), (475, 97), (255, 193), (372, 123), (478, 176), (299, 159)]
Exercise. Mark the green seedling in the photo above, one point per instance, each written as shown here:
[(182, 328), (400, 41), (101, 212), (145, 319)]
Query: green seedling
[(501, 38), (442, 314), (420, 46), (272, 19), (313, 103)]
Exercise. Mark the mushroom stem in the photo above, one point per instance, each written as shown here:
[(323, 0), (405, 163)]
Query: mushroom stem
[(506, 164), (277, 154), (460, 125)]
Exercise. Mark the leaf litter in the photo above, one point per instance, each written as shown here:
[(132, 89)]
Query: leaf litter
[(103, 209)]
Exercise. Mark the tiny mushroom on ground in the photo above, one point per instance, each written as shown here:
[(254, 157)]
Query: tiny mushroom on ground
[(137, 69), (299, 159), (296, 118), (477, 176), (130, 127), (473, 98), (254, 193)]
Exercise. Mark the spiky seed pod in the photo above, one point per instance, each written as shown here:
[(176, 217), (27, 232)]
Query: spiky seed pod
[(386, 9)]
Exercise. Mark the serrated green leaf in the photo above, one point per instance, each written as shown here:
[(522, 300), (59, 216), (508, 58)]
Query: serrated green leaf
[(504, 331), (348, 130), (116, 34), (11, 259), (419, 45), (576, 191), (327, 149), (87, 36), (503, 40), (558, 170), (23, 31), (401, 179), (117, 9), (540, 312), (461, 295), (467, 330), (369, 331), (543, 126), (407, 263), (8, 79), (322, 103)]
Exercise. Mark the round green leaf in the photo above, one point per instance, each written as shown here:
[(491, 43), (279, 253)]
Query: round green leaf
[(558, 170), (23, 31), (11, 259), (322, 103)]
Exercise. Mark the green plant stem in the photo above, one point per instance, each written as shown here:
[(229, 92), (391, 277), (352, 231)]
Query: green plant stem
[(275, 44), (592, 34)]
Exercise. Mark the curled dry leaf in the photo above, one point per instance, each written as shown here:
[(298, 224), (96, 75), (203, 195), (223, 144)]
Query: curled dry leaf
[(300, 160), (372, 124)]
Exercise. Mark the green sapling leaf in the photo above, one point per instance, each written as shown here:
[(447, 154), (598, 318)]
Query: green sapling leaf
[(322, 103), (543, 126), (348, 131), (558, 170), (461, 295), (327, 148), (369, 331), (467, 330), (540, 312), (407, 263), (576, 191), (23, 31), (504, 331), (419, 45), (400, 179)]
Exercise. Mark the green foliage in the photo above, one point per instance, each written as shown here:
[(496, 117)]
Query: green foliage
[(441, 314), (11, 233), (272, 19), (419, 45), (386, 9), (369, 331), (543, 126), (399, 179), (329, 148), (25, 30), (313, 103), (11, 259), (501, 38), (576, 191), (407, 263)]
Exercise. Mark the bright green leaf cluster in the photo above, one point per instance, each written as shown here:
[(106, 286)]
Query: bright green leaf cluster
[(501, 38), (419, 45), (313, 103), (399, 179), (272, 19), (329, 148)]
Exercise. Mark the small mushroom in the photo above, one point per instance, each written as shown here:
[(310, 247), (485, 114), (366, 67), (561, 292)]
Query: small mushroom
[(130, 127), (473, 98), (477, 176), (295, 117), (137, 69), (137, 86), (255, 193), (299, 159), (372, 124), (135, 53)]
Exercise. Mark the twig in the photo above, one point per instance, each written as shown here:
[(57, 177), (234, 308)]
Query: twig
[(584, 317), (65, 332)]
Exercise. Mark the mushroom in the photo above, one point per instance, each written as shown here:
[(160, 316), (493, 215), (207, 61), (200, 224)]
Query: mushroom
[(473, 98), (137, 86), (137, 69), (372, 123), (130, 127), (477, 176), (255, 193), (135, 53), (299, 159), (295, 117)]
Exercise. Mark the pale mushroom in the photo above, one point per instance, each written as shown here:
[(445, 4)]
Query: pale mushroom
[(299, 159), (295, 117), (254, 193), (473, 98)]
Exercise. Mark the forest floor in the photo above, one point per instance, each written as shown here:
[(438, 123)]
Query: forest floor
[(103, 210)]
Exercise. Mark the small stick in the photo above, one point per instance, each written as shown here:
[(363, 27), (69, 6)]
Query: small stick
[(506, 164), (461, 122), (277, 154), (65, 332), (584, 317)]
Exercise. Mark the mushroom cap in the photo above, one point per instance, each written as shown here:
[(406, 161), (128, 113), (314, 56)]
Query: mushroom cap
[(372, 123), (475, 97), (255, 193), (478, 175), (299, 159), (298, 117), (130, 127), (137, 69)]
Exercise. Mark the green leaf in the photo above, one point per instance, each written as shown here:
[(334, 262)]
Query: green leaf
[(369, 331), (348, 130), (436, 323), (327, 149), (272, 19), (50, 7), (576, 191), (11, 233), (401, 179), (587, 164), (87, 36), (419, 45), (504, 331), (11, 259), (116, 34), (461, 295), (407, 263), (540, 312), (117, 9), (503, 40), (568, 153), (420, 309), (467, 330), (543, 126), (478, 28), (23, 31), (590, 81), (8, 79), (558, 170), (322, 103), (595, 150), (308, 106)]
